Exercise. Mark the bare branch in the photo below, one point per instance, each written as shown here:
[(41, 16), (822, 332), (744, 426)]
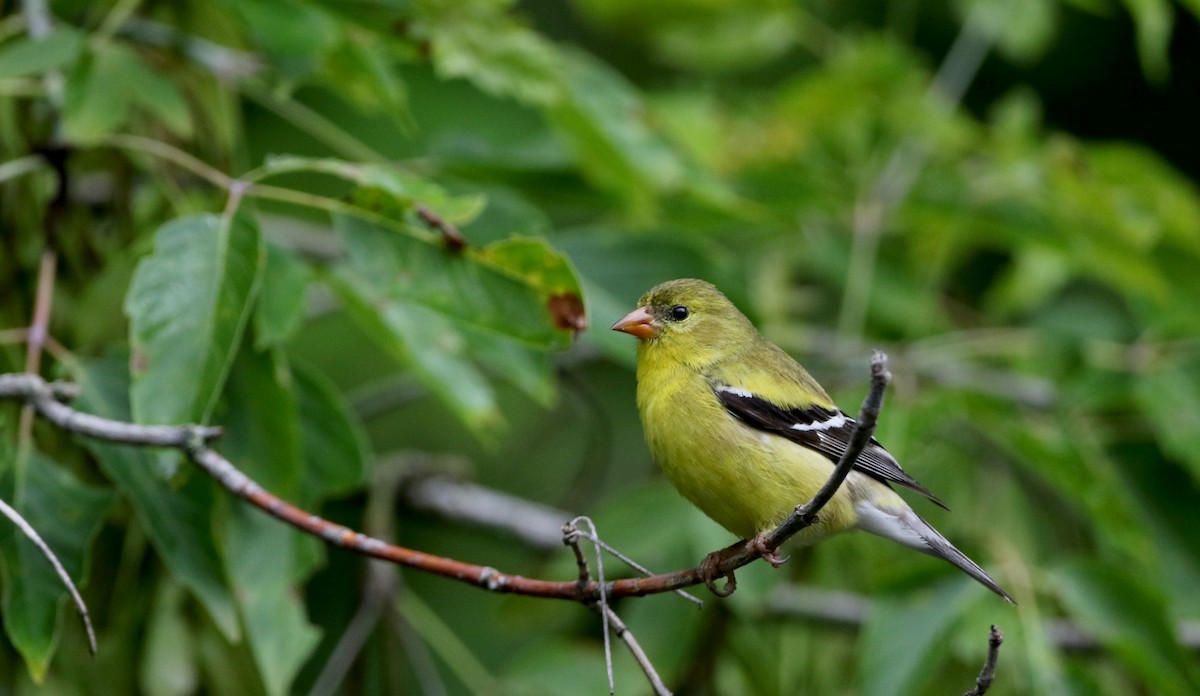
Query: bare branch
[(44, 398), (30, 532), (192, 438), (988, 674), (635, 649)]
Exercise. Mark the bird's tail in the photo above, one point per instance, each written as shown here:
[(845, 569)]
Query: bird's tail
[(907, 527)]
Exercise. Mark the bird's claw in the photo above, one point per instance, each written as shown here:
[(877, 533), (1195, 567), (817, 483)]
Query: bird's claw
[(710, 572), (759, 544)]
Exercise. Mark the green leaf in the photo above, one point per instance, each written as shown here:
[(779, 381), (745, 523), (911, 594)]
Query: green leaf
[(1154, 21), (175, 515), (604, 118), (361, 68), (67, 515), (1129, 616), (95, 104), (101, 92), (169, 666), (428, 342), (478, 41), (442, 312), (29, 56), (263, 436), (333, 445), (1169, 396), (281, 300), (295, 35), (188, 305), (261, 423), (262, 560), (902, 640)]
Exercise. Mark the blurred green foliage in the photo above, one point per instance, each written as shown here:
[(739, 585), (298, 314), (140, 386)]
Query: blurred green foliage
[(244, 239)]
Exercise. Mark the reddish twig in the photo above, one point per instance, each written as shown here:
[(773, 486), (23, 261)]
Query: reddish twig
[(192, 439)]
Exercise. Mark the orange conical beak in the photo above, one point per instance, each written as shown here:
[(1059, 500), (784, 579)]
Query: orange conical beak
[(638, 323)]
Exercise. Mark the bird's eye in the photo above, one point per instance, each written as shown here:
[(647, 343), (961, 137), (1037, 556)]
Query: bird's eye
[(679, 313)]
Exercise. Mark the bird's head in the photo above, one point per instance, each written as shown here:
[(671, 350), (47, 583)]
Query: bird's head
[(688, 318)]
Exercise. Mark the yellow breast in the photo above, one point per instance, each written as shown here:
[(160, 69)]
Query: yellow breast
[(744, 479)]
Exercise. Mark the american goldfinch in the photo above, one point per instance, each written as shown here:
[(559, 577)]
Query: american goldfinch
[(746, 434)]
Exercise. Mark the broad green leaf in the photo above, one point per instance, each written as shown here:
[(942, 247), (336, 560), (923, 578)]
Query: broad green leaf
[(478, 41), (95, 102), (262, 559), (262, 427), (605, 120), (281, 299), (101, 92), (29, 56), (442, 312), (1128, 614), (176, 515), (295, 34), (902, 640), (333, 444), (169, 665), (67, 515), (361, 67), (1169, 396), (261, 422), (1154, 21), (188, 305), (428, 342)]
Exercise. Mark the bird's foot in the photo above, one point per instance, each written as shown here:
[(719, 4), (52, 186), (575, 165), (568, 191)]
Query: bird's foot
[(710, 573), (759, 544)]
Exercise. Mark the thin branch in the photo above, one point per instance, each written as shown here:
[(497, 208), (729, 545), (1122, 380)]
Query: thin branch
[(571, 534), (635, 649), (988, 674), (30, 532), (192, 438)]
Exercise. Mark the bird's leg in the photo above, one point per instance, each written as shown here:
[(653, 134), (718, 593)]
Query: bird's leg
[(759, 544), (710, 572)]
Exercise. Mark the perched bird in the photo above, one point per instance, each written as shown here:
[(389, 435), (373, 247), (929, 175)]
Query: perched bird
[(746, 434)]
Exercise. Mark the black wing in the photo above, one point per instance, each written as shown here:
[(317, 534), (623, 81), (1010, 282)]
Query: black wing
[(820, 429)]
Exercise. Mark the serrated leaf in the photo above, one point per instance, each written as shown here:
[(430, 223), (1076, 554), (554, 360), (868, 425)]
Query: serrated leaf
[(188, 305), (67, 515), (29, 56), (1129, 616), (175, 515)]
